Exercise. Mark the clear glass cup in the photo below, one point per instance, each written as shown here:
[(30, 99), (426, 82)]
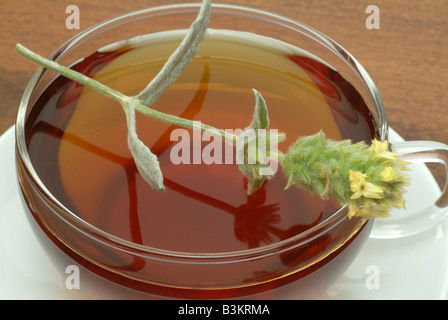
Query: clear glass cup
[(303, 266)]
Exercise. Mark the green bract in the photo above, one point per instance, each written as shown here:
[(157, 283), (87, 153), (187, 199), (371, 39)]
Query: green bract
[(255, 166)]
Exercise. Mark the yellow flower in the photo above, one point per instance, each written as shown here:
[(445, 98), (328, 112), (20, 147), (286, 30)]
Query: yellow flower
[(367, 210), (387, 174), (356, 176), (400, 204), (353, 210), (380, 148), (361, 187)]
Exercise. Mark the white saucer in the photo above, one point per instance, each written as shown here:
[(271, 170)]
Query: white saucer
[(414, 267)]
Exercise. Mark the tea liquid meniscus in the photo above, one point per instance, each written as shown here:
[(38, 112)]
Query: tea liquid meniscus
[(77, 141)]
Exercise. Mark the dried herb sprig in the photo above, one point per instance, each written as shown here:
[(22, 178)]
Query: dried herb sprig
[(369, 180)]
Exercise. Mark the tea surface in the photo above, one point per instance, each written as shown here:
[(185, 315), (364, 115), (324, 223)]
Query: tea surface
[(77, 141)]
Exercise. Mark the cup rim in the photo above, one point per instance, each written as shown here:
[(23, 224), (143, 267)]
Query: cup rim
[(101, 235)]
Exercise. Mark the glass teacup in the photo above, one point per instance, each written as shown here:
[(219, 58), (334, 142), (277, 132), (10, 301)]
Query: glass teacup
[(302, 266)]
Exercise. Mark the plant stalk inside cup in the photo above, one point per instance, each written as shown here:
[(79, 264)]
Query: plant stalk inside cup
[(370, 180)]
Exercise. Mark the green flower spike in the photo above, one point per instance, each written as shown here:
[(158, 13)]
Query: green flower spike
[(370, 180)]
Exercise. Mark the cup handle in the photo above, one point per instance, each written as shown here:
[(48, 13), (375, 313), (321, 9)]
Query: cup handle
[(432, 215)]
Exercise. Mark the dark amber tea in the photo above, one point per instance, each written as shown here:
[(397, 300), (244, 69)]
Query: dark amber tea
[(76, 139)]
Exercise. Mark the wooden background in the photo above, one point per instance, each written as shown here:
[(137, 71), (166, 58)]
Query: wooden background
[(407, 58)]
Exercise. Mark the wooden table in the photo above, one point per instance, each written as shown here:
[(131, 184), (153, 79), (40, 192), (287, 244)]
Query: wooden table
[(407, 57)]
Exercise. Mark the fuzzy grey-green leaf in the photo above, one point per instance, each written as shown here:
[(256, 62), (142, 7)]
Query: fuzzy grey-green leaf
[(179, 60), (146, 162), (260, 119)]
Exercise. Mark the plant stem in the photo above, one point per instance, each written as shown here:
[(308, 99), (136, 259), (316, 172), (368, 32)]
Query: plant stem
[(122, 98), (71, 74)]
